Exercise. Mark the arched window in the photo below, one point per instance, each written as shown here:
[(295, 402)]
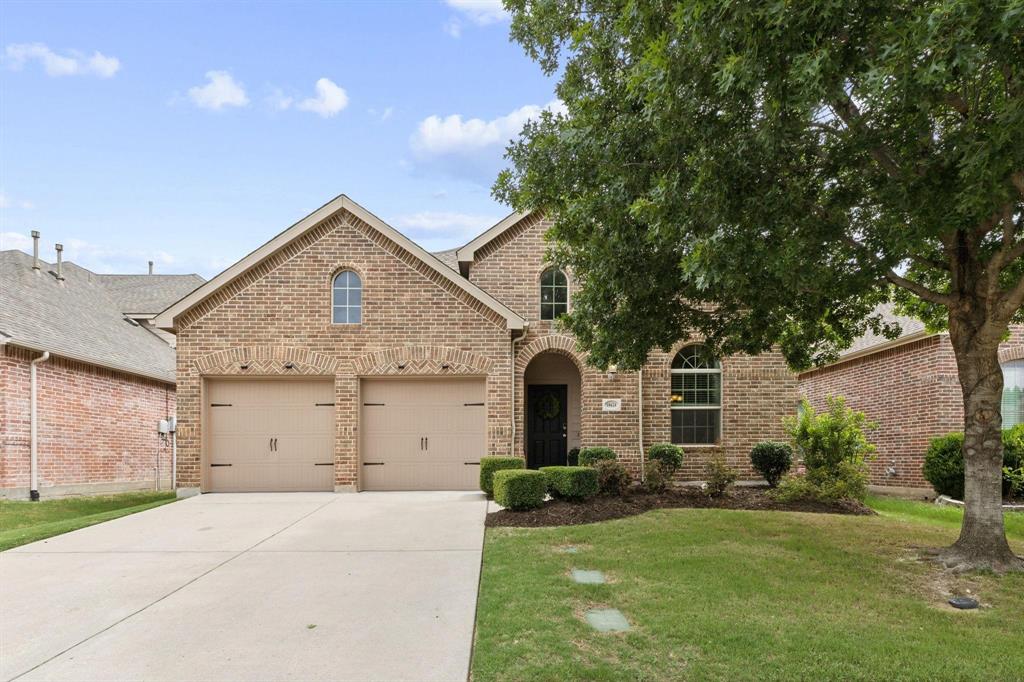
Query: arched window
[(1013, 393), (554, 294), (696, 397), (347, 300)]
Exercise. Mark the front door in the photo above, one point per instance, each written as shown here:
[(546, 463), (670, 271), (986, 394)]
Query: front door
[(546, 425)]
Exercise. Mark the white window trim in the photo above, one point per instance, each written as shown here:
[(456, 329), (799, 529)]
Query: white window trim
[(721, 400), (335, 288)]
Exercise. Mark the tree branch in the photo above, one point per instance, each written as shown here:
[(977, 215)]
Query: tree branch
[(848, 112), (920, 290)]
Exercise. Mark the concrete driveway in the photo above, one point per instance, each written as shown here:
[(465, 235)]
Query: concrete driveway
[(292, 586)]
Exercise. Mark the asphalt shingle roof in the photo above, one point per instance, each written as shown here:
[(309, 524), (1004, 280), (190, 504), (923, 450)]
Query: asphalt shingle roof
[(908, 325), (148, 294), (449, 258), (81, 318)]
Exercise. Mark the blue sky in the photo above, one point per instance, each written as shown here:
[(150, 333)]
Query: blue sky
[(190, 133)]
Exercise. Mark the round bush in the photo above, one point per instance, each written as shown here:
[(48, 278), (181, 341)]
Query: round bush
[(519, 489), (612, 477), (489, 465), (944, 465), (656, 477), (772, 460), (590, 455), (571, 483), (670, 456)]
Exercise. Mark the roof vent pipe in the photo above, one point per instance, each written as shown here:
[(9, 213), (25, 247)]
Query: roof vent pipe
[(151, 267), (35, 250), (60, 261)]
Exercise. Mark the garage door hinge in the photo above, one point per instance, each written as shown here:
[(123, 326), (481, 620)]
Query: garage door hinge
[(220, 404), (324, 464), (373, 464), (325, 404), (472, 404), (472, 463), (220, 465), (373, 404)]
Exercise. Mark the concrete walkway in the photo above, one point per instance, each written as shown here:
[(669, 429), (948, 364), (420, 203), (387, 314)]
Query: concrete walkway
[(300, 586)]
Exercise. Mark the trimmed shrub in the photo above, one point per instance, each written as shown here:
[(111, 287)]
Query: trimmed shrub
[(944, 465), (489, 465), (720, 477), (612, 477), (655, 477), (590, 455), (571, 483), (573, 458), (944, 462), (519, 489), (1015, 477), (772, 460), (671, 456)]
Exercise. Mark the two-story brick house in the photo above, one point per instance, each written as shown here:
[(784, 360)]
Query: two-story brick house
[(342, 356)]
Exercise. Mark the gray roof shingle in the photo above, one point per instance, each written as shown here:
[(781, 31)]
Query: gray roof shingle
[(81, 318), (449, 258), (908, 325), (148, 294)]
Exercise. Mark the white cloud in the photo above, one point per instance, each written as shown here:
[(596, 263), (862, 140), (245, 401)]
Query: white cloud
[(480, 12), (73, 63), (443, 229), (220, 91), (329, 100), (7, 201), (106, 259), (471, 147)]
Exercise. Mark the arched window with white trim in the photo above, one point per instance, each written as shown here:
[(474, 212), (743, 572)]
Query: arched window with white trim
[(1013, 393), (696, 397), (347, 298), (554, 294)]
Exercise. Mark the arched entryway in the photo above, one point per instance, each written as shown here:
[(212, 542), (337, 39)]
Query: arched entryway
[(552, 409)]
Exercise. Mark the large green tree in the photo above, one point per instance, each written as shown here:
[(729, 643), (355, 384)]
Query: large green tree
[(764, 174)]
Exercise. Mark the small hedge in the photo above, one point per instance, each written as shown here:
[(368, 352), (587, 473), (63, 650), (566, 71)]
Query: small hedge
[(944, 461), (590, 455), (670, 456), (571, 483), (490, 465), (519, 489), (772, 460)]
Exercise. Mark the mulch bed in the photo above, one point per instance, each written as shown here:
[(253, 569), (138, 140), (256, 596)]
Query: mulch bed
[(605, 507)]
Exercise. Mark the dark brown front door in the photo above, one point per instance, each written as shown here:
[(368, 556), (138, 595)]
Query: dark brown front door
[(547, 425)]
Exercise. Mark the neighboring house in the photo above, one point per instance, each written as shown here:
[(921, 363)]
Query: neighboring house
[(107, 382), (342, 356), (909, 387)]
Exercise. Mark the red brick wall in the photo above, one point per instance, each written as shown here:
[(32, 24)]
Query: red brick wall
[(757, 391), (281, 311), (911, 391), (96, 426)]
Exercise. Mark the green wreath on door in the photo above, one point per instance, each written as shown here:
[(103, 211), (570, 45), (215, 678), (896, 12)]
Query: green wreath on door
[(548, 406)]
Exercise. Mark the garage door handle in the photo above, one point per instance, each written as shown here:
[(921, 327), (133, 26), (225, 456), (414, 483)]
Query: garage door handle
[(427, 441)]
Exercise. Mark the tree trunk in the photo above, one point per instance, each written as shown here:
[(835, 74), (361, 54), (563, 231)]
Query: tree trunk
[(982, 543)]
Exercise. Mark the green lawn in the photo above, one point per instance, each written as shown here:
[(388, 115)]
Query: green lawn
[(22, 522), (733, 595)]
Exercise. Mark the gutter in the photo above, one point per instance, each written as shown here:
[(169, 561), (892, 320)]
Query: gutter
[(92, 361), (33, 466), (512, 374)]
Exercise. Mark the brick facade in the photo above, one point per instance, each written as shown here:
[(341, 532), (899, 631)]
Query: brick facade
[(97, 427), (911, 391), (756, 391), (280, 311), (417, 323)]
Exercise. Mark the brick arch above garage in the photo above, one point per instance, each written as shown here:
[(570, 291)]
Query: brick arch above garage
[(263, 360), (418, 360)]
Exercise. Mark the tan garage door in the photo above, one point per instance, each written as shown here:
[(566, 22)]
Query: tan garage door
[(422, 434), (270, 435)]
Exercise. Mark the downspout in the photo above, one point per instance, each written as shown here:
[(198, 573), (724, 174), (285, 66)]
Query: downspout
[(33, 465), (512, 375), (640, 429)]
